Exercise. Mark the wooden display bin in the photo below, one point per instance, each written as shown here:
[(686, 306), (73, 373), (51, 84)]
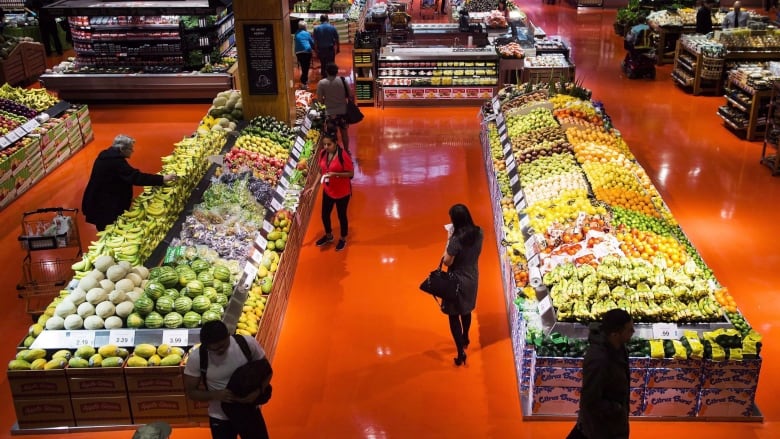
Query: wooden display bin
[(41, 412), (25, 62), (157, 380), (91, 410), (96, 381), (152, 407), (37, 383)]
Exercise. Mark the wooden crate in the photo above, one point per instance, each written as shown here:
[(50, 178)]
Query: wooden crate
[(25, 62)]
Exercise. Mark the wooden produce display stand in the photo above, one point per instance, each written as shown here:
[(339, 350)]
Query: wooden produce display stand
[(364, 72), (772, 136), (666, 41), (26, 62), (701, 73), (745, 108)]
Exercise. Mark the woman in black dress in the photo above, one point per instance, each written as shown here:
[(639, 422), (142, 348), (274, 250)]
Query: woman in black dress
[(461, 256)]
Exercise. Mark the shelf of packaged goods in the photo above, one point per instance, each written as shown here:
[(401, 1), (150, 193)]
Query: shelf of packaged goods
[(727, 120), (124, 40), (98, 87), (687, 63), (145, 28), (91, 8), (682, 78), (125, 55), (742, 106), (770, 148)]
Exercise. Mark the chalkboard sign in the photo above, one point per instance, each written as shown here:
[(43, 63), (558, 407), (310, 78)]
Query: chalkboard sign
[(261, 61)]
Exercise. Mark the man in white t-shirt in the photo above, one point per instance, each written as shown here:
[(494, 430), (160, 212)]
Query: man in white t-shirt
[(224, 357)]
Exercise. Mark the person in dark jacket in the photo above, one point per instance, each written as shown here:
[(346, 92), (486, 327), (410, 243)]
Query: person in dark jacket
[(464, 244), (704, 18), (109, 191), (604, 400), (47, 25)]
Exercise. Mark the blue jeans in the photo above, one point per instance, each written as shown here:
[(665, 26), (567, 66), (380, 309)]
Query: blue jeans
[(222, 429)]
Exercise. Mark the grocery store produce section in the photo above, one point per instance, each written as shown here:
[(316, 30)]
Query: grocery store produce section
[(220, 243), (37, 133), (583, 231)]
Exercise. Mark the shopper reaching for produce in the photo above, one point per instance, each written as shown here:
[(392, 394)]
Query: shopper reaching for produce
[(109, 191), (464, 244), (337, 170)]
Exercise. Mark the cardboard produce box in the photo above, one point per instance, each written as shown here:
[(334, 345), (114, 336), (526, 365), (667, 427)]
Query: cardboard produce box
[(731, 374), (101, 410), (96, 381), (726, 402), (674, 377), (50, 411), (159, 379), (664, 401), (636, 402), (556, 400), (152, 407), (558, 376), (28, 384)]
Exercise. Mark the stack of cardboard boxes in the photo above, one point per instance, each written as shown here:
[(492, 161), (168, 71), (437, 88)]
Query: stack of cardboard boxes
[(41, 398), (156, 393)]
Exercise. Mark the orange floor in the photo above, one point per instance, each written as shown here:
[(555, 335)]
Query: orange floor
[(363, 353)]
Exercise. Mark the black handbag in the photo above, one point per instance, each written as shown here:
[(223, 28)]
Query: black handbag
[(441, 284), (353, 115)]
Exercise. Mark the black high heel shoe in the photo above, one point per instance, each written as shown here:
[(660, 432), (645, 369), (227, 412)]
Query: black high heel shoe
[(466, 343), (460, 359)]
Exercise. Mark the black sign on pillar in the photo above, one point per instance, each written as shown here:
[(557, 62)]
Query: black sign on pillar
[(260, 59)]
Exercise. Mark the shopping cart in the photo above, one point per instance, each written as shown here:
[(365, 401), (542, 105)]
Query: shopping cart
[(51, 238)]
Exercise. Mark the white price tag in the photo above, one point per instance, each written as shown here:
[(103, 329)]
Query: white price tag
[(666, 331), (518, 196), (507, 149), (12, 136), (524, 222), (299, 142), (510, 164), (251, 273), (256, 257), (534, 261), (513, 181), (276, 205), (504, 140), (4, 143), (81, 338), (261, 242), (283, 183), (175, 337), (500, 121), (267, 226), (30, 125), (521, 204), (288, 169), (121, 337), (496, 105), (545, 305), (306, 124), (281, 191), (530, 247), (20, 132)]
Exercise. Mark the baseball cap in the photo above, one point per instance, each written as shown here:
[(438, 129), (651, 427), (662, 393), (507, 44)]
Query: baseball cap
[(154, 430)]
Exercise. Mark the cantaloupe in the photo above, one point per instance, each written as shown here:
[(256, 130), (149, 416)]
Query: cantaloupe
[(103, 262), (74, 321), (124, 309), (96, 295), (116, 273), (105, 309), (125, 285), (93, 323), (85, 310), (65, 308)]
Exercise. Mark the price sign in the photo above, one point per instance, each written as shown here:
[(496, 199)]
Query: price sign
[(288, 169), (534, 261), (12, 136), (30, 125), (261, 242), (496, 105), (81, 338), (530, 247), (121, 337), (267, 226), (500, 121), (4, 143), (545, 305), (256, 257), (251, 273), (666, 331), (514, 180), (510, 164), (306, 124), (524, 222), (504, 140), (519, 195), (281, 191), (175, 337), (521, 204), (507, 149), (276, 205), (284, 183)]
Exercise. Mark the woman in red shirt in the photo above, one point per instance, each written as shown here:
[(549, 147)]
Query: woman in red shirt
[(337, 170)]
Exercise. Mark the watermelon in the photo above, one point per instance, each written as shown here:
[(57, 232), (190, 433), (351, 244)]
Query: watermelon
[(154, 320), (182, 266), (164, 305), (173, 320), (199, 265), (186, 276), (221, 299), (209, 316), (206, 278), (191, 320), (211, 293), (173, 293), (194, 288), (168, 277), (155, 272), (227, 289), (154, 290), (216, 283), (144, 305), (222, 273), (217, 308), (182, 304), (135, 320), (201, 304)]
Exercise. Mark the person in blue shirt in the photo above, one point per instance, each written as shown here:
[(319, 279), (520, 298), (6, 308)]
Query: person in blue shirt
[(304, 44), (326, 43)]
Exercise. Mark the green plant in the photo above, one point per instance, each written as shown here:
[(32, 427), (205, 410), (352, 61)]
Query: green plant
[(632, 14)]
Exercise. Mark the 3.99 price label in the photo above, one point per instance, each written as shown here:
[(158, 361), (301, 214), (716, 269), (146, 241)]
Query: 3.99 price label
[(176, 337)]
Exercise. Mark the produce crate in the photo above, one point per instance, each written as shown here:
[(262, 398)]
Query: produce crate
[(155, 380), (152, 407), (546, 74), (34, 59), (51, 411), (93, 410), (17, 68)]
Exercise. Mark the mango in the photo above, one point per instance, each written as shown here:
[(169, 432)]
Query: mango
[(112, 362), (171, 360), (55, 363), (96, 360), (62, 353), (109, 350), (136, 361), (163, 350), (85, 352), (145, 350), (18, 365), (154, 360), (33, 354), (38, 364), (78, 363)]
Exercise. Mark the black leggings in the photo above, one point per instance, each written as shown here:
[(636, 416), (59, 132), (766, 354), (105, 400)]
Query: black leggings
[(341, 209), (459, 326)]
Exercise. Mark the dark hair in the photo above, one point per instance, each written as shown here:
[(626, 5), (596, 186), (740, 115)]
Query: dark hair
[(212, 332), (614, 321), (331, 69), (323, 18), (463, 225)]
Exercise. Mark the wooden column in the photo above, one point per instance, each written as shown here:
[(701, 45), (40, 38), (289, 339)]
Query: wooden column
[(263, 20)]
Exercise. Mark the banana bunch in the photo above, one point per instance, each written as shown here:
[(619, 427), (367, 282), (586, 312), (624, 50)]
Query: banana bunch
[(253, 310), (38, 98)]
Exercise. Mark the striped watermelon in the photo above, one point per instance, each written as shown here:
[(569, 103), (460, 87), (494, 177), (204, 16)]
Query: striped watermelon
[(173, 320), (201, 304), (191, 320), (222, 273), (154, 320), (182, 304)]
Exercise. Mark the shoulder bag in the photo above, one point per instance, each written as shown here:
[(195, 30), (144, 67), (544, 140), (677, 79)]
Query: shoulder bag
[(354, 115), (441, 284)]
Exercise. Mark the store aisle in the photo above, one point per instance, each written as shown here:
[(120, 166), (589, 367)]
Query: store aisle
[(363, 353)]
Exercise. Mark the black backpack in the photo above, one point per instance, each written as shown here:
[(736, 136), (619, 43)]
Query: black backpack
[(246, 378)]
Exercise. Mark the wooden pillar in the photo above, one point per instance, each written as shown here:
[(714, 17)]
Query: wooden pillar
[(265, 58)]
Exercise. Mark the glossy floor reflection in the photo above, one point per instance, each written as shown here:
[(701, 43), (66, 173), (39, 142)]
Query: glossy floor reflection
[(363, 353)]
